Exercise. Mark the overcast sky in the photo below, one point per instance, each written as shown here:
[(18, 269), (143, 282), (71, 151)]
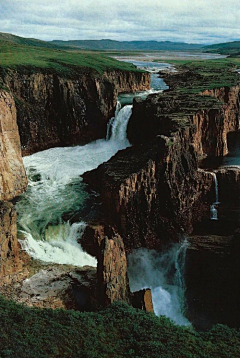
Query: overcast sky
[(196, 21)]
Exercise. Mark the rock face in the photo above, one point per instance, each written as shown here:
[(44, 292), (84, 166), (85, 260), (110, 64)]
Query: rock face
[(10, 261), (143, 300), (13, 179), (153, 193), (107, 245), (154, 190), (57, 287), (54, 286), (211, 120), (54, 111)]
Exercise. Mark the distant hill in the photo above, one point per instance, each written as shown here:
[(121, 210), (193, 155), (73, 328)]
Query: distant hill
[(227, 48), (101, 45), (17, 40), (127, 45)]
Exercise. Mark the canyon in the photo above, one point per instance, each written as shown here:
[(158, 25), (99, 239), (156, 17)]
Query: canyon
[(152, 193)]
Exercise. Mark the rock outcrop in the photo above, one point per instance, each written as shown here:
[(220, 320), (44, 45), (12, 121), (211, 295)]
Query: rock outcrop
[(211, 118), (107, 245), (13, 182), (55, 286), (143, 300), (155, 190), (10, 261), (13, 179), (55, 111), (153, 193)]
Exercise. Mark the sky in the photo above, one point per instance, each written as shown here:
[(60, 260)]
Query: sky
[(192, 21)]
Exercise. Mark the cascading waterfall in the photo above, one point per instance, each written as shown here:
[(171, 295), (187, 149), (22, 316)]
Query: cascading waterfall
[(56, 194), (110, 122), (213, 207), (163, 273)]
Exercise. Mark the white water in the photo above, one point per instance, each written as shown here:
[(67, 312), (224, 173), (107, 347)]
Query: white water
[(56, 191), (213, 207), (163, 273)]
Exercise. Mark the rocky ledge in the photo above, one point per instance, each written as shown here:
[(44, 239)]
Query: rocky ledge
[(57, 111), (154, 191)]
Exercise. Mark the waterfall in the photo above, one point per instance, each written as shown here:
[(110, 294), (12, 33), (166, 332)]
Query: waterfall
[(213, 207), (110, 122), (163, 273), (119, 125), (56, 194), (216, 187)]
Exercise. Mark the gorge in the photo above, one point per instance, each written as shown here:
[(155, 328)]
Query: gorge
[(141, 191)]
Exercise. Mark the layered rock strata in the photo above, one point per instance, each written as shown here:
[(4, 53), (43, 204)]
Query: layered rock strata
[(13, 179), (152, 193), (56, 111), (13, 182), (107, 245), (154, 190)]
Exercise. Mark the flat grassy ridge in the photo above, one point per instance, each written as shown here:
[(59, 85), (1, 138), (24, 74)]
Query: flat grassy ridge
[(65, 63), (119, 331), (195, 76)]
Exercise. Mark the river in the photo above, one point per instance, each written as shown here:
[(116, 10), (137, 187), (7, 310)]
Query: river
[(52, 213)]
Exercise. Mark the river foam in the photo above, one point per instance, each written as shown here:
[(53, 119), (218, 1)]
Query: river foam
[(56, 191)]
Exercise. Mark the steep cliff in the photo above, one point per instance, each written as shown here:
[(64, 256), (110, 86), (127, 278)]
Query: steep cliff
[(13, 182), (211, 118), (154, 191), (107, 245), (57, 111)]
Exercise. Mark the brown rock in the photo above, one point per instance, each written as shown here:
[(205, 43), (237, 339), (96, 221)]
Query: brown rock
[(151, 193), (61, 287), (10, 259), (112, 270), (54, 111), (107, 245), (13, 179), (143, 300)]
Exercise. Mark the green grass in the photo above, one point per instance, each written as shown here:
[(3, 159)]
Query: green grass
[(206, 74), (65, 63), (119, 331)]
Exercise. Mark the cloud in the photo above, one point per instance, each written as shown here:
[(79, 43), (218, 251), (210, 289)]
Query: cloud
[(187, 20)]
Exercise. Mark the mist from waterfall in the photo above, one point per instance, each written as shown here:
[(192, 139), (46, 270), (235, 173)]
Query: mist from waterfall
[(56, 193), (163, 273)]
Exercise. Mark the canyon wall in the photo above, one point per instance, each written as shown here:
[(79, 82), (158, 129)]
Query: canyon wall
[(13, 182), (50, 111), (154, 191), (55, 111)]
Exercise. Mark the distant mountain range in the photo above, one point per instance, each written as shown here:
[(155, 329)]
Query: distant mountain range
[(227, 48), (112, 45)]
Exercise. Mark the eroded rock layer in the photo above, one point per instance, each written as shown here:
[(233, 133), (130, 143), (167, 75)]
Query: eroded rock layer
[(154, 191), (13, 179), (13, 182), (55, 111)]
